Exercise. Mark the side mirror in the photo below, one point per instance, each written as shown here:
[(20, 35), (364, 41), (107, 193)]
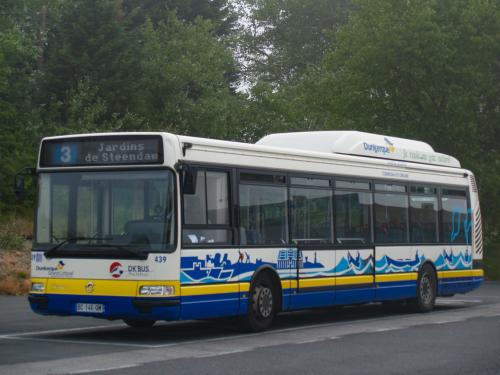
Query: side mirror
[(19, 187), (20, 182), (188, 178), (190, 175)]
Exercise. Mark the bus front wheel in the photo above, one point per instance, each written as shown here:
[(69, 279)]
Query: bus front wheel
[(426, 290), (262, 304), (139, 323)]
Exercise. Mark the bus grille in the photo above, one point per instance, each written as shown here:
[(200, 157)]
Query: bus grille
[(478, 234), (473, 184)]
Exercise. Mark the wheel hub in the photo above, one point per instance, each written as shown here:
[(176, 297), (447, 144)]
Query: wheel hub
[(425, 289), (263, 302)]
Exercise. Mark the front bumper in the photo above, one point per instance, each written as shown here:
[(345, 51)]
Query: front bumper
[(167, 308)]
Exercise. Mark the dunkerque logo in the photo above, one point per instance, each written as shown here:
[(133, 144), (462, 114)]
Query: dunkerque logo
[(60, 265), (390, 144), (116, 270), (379, 149)]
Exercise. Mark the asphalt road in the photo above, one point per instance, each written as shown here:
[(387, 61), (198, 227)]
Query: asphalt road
[(462, 336)]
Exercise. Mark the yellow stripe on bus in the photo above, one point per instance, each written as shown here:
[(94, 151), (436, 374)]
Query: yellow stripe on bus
[(92, 287), (319, 282), (460, 273), (352, 280), (389, 277), (130, 288), (327, 281), (194, 290)]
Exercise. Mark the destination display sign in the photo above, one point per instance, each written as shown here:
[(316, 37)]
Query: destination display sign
[(109, 150)]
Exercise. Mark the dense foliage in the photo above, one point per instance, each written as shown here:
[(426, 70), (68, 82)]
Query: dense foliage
[(422, 69)]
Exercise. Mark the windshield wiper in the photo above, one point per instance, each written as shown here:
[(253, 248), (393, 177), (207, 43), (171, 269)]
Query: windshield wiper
[(53, 251), (138, 253), (49, 253)]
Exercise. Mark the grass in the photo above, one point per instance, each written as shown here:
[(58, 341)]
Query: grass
[(15, 256), (15, 271)]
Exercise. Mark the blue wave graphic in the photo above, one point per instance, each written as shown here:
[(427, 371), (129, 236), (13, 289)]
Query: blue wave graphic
[(354, 265), (387, 264), (219, 267), (452, 261)]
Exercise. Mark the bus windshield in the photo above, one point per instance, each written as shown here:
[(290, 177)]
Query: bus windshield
[(106, 213)]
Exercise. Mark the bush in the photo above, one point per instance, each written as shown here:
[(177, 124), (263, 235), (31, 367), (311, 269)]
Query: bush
[(11, 241)]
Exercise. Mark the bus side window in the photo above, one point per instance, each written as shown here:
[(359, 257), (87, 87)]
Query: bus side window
[(391, 218), (311, 215), (263, 209), (454, 217), (206, 212), (423, 214), (352, 217)]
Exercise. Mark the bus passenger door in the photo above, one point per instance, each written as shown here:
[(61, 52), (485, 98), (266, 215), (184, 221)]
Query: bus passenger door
[(314, 284)]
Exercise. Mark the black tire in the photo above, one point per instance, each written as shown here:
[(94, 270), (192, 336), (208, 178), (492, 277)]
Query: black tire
[(139, 323), (262, 304), (426, 290)]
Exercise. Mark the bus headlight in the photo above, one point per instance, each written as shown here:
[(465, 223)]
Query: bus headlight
[(157, 290), (37, 287)]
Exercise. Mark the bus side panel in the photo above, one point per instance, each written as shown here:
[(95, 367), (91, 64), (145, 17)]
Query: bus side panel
[(396, 272), (454, 266), (354, 276), (209, 283), (316, 281), (280, 260)]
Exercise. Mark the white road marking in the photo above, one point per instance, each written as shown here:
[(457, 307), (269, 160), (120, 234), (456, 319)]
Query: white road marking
[(451, 301), (103, 369), (378, 330), (30, 335), (62, 330), (244, 343), (79, 342)]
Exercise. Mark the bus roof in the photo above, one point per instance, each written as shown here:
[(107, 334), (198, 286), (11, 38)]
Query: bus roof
[(339, 145), (361, 144)]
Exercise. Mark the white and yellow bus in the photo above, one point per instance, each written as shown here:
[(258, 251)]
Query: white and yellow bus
[(156, 226)]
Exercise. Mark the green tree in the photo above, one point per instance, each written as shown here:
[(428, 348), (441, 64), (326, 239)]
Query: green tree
[(17, 59), (88, 41), (184, 85), (281, 39), (219, 12), (420, 69)]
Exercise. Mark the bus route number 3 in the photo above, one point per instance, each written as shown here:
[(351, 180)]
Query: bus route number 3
[(161, 259), (65, 154)]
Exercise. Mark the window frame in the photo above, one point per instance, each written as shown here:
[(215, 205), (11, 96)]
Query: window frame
[(229, 227), (238, 183), (132, 168), (405, 193), (329, 188), (438, 214), (234, 172), (371, 219), (468, 202)]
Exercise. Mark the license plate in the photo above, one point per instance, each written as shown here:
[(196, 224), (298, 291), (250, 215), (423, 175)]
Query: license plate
[(96, 308)]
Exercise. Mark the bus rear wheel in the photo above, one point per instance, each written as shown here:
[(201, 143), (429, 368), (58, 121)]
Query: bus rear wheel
[(139, 323), (261, 304), (426, 290)]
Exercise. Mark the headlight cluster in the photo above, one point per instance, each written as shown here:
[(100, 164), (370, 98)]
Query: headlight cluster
[(157, 290), (37, 287)]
